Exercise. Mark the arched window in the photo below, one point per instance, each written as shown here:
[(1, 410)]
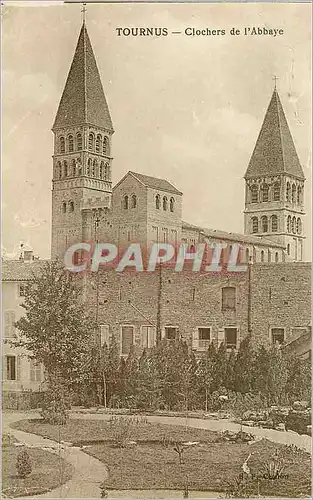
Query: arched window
[(91, 142), (125, 202), (264, 192), (58, 171), (78, 167), (70, 143), (299, 225), (62, 145), (274, 223), (262, 255), (74, 168), (276, 192), (299, 194), (254, 193), (288, 191), (255, 225), (157, 202), (101, 170), (105, 146), (288, 249), (247, 255), (71, 206), (289, 224), (89, 165), (107, 172), (94, 167), (164, 203), (294, 225), (79, 141), (293, 193), (65, 169), (98, 144), (264, 223), (64, 207), (133, 201), (172, 202), (276, 257)]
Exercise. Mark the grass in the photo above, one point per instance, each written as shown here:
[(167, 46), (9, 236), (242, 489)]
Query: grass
[(210, 465), (79, 430), (48, 472)]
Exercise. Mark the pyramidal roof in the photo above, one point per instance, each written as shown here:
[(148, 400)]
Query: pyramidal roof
[(83, 100), (274, 152)]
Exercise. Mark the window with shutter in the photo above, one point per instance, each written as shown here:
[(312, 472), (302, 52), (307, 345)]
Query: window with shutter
[(278, 335), (11, 371), (35, 371), (104, 334), (228, 298), (9, 323), (204, 334), (171, 332), (231, 337), (148, 336), (127, 339)]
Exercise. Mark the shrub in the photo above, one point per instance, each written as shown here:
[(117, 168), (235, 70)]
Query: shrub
[(55, 406), (274, 468), (23, 464), (122, 429)]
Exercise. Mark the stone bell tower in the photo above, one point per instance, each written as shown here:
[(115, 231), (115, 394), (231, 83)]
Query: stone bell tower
[(274, 204), (82, 148)]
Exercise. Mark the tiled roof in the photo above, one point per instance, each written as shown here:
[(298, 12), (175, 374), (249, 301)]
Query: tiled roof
[(83, 100), (17, 270), (274, 152), (240, 238), (155, 183)]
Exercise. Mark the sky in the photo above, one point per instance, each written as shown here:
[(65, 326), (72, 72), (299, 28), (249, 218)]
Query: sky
[(188, 109)]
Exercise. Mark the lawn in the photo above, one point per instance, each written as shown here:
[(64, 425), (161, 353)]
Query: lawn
[(48, 472), (151, 463), (85, 431), (209, 466)]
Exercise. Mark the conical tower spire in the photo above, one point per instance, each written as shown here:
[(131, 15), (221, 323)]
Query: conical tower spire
[(83, 101), (274, 152)]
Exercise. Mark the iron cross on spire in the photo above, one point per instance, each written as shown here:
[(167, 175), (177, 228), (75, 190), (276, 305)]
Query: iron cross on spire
[(275, 78), (83, 11)]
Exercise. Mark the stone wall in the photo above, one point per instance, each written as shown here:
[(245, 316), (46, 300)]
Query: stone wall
[(279, 297)]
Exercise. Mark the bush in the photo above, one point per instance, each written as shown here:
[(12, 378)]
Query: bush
[(55, 406), (122, 429), (23, 464)]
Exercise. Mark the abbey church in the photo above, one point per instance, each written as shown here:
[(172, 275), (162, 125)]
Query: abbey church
[(145, 209), (271, 300)]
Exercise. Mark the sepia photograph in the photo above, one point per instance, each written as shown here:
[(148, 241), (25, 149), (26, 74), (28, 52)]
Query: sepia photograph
[(156, 250)]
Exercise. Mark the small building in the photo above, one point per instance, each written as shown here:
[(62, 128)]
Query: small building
[(23, 378)]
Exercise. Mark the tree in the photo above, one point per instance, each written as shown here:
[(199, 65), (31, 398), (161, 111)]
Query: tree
[(205, 373), (148, 394), (298, 383), (244, 366), (277, 375), (220, 368), (56, 329), (230, 371)]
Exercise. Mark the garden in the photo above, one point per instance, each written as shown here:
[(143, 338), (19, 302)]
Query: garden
[(30, 471), (143, 455)]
